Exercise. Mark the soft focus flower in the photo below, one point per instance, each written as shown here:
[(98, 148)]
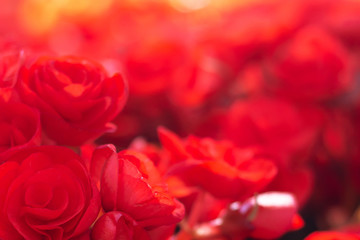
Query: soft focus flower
[(262, 99), (274, 124), (311, 66)]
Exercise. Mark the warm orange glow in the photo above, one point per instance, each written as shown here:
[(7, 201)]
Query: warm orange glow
[(86, 8), (189, 5), (38, 16)]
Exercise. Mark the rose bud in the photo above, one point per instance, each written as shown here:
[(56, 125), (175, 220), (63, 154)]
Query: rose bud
[(269, 214), (76, 98), (117, 225), (46, 193), (130, 183), (19, 126)]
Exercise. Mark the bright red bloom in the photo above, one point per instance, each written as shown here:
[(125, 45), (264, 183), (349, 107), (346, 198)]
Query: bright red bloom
[(216, 166), (152, 63), (75, 97), (46, 193), (130, 183)]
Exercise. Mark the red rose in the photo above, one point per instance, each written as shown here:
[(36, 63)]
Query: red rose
[(151, 64), (280, 207), (19, 126), (46, 193), (216, 166), (130, 183), (75, 97), (117, 225)]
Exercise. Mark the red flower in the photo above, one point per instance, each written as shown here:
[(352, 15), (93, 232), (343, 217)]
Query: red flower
[(217, 167), (258, 122), (248, 31), (75, 97), (278, 207), (199, 83), (130, 183), (311, 66), (45, 193), (152, 63), (19, 126), (277, 128)]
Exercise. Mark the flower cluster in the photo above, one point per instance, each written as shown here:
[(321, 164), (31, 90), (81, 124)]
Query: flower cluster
[(179, 120)]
